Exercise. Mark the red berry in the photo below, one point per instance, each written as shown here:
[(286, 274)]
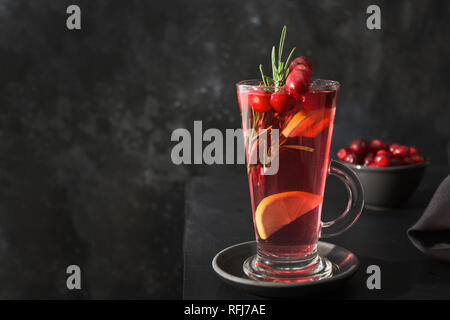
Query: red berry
[(260, 101), (381, 160), (281, 101), (417, 158), (413, 151), (407, 160), (359, 146), (297, 82), (372, 164), (301, 61), (377, 144), (368, 158), (342, 153), (397, 162), (304, 68), (351, 158), (384, 152), (400, 152), (393, 146)]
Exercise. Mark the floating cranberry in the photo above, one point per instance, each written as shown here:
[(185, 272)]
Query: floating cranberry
[(359, 146), (260, 101), (381, 160), (281, 101)]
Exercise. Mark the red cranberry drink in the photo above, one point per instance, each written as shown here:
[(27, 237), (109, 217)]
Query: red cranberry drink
[(287, 179)]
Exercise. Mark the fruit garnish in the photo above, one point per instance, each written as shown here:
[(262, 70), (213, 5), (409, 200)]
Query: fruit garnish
[(260, 101), (282, 101), (317, 128), (301, 122), (297, 82), (278, 210), (304, 64)]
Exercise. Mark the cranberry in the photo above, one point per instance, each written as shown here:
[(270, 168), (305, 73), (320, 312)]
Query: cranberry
[(297, 82), (368, 158), (384, 152), (372, 164), (400, 152), (281, 101), (342, 153), (359, 146), (397, 162), (302, 61), (393, 146), (407, 160), (351, 158), (377, 144), (413, 151), (381, 160), (260, 101), (417, 158)]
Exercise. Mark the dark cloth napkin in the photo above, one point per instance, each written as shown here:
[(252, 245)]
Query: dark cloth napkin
[(431, 233)]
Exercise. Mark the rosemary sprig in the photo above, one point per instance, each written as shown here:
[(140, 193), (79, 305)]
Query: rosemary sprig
[(280, 69)]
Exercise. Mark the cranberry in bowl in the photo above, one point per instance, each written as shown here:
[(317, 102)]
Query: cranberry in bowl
[(389, 173)]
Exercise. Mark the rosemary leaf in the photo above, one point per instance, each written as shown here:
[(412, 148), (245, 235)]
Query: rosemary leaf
[(280, 48), (274, 66), (288, 61), (262, 75)]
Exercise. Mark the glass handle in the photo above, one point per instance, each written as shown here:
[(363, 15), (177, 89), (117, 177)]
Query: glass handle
[(355, 201)]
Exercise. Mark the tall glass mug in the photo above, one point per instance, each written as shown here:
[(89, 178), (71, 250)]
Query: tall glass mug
[(287, 156)]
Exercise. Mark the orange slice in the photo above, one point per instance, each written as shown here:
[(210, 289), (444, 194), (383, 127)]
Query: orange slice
[(317, 128), (280, 209), (301, 122)]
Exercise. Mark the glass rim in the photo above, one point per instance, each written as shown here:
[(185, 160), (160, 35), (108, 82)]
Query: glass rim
[(316, 85)]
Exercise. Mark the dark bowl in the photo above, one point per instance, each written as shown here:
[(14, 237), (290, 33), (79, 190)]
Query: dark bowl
[(388, 187)]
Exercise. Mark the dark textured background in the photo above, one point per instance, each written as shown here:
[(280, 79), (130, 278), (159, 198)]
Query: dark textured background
[(86, 118)]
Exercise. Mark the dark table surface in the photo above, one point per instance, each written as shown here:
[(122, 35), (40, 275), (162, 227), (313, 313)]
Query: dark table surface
[(218, 215)]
